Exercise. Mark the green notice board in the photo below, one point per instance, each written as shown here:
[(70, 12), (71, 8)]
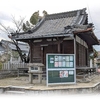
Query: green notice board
[(60, 69)]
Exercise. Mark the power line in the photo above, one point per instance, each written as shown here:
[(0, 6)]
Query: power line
[(96, 28), (89, 13)]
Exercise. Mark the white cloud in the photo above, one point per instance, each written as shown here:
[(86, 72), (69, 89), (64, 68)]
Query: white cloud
[(4, 36)]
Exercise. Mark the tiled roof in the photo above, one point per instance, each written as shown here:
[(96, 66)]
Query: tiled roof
[(1, 47), (55, 25), (51, 27)]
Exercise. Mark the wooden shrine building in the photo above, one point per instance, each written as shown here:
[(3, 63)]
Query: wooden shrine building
[(63, 33)]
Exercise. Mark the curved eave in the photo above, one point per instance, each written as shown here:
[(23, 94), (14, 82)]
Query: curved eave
[(45, 36), (88, 36)]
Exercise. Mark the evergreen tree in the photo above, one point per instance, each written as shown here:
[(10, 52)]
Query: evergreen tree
[(27, 26), (24, 27), (45, 13), (34, 18)]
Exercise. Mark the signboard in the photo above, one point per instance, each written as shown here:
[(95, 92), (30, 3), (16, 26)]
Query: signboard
[(60, 69)]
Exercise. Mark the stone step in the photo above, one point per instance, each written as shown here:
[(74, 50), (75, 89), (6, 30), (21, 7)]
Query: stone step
[(14, 92)]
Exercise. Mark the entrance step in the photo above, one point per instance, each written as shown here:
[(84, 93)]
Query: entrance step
[(14, 92)]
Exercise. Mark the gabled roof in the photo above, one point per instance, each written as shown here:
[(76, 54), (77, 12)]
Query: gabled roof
[(57, 25)]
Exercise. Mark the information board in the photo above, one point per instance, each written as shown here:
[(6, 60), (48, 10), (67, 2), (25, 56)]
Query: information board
[(60, 69)]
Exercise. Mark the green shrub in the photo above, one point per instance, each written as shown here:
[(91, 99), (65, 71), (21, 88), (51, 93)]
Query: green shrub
[(0, 65)]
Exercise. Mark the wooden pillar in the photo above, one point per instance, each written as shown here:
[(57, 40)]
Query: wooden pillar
[(31, 51), (42, 57), (58, 43), (58, 47)]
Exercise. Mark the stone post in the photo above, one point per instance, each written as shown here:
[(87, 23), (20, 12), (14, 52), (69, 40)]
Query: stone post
[(40, 75), (30, 76)]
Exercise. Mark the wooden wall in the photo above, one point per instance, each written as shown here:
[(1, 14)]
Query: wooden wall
[(81, 55), (40, 49), (68, 47)]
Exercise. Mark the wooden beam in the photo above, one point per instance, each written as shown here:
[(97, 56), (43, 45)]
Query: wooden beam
[(44, 42)]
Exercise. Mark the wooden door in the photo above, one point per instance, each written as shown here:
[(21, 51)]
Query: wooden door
[(48, 49)]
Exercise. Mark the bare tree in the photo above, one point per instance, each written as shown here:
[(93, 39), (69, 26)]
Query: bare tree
[(5, 29), (18, 23), (18, 28)]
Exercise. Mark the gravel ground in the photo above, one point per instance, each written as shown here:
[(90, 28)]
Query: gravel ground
[(24, 82)]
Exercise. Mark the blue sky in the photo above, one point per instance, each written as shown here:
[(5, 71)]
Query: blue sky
[(26, 8)]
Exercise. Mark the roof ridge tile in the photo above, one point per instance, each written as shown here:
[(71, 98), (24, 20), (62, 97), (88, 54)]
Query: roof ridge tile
[(63, 14)]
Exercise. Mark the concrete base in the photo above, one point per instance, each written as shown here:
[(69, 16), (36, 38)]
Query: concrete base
[(50, 90), (22, 84)]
